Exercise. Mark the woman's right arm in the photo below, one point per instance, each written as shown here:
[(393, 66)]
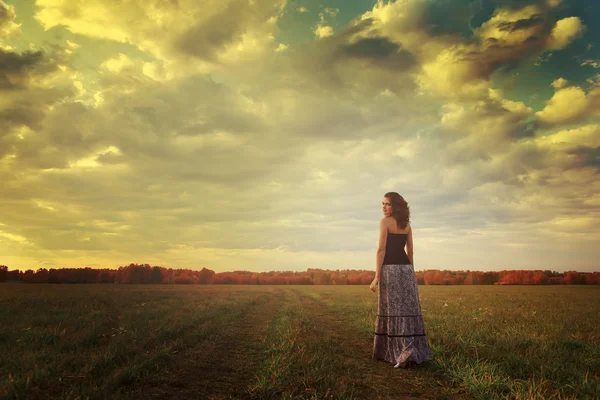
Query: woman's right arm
[(380, 253), (409, 246)]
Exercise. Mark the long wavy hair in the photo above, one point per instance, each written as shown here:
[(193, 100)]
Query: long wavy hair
[(400, 209)]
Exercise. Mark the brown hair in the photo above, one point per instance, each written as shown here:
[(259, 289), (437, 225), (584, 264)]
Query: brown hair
[(400, 209)]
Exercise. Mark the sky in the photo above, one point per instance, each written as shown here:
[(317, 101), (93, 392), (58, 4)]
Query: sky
[(263, 134)]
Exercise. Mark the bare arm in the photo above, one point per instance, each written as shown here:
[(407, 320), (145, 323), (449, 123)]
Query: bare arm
[(381, 247), (380, 253), (409, 246)]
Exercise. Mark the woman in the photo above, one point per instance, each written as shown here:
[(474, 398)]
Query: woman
[(399, 330)]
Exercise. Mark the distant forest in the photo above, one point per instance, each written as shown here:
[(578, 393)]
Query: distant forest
[(144, 273)]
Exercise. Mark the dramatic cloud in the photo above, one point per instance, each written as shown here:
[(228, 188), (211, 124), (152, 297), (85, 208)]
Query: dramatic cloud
[(215, 144), (31, 82), (452, 65), (212, 33)]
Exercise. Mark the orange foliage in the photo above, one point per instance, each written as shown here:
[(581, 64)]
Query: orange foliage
[(146, 274)]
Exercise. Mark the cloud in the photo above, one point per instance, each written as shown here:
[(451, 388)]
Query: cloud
[(346, 64), (118, 63), (8, 16), (452, 65), (575, 148), (322, 31), (279, 161), (591, 63), (559, 83), (553, 3), (282, 47), (564, 32), (570, 104), (17, 67), (31, 82), (196, 37), (332, 12), (483, 128), (379, 51)]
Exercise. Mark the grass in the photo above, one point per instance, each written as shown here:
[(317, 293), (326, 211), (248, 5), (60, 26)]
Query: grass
[(503, 342), (110, 341), (90, 340), (296, 367)]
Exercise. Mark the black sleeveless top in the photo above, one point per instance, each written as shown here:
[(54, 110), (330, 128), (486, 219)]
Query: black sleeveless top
[(394, 249)]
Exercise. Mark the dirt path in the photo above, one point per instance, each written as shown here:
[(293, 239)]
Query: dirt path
[(370, 378), (224, 364)]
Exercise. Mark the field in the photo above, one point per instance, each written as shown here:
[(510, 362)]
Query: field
[(308, 342)]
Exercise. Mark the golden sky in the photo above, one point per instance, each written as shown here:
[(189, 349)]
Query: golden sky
[(262, 134)]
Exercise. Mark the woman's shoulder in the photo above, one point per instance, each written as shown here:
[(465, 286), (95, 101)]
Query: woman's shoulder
[(392, 226), (388, 221)]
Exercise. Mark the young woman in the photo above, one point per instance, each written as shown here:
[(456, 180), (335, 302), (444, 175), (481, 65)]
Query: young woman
[(399, 330)]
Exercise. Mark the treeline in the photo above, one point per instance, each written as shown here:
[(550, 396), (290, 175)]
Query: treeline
[(144, 273)]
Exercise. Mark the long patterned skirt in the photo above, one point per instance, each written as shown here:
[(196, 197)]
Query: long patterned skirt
[(399, 329)]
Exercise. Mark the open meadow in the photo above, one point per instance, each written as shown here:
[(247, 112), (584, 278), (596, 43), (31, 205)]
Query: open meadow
[(102, 341)]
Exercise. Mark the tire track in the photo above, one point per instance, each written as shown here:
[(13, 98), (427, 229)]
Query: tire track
[(371, 378), (222, 365)]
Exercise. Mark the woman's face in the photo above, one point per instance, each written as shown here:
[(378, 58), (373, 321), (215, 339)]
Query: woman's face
[(386, 205)]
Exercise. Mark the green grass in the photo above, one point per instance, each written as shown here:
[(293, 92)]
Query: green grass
[(502, 342), (296, 367), (491, 342), (89, 340)]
